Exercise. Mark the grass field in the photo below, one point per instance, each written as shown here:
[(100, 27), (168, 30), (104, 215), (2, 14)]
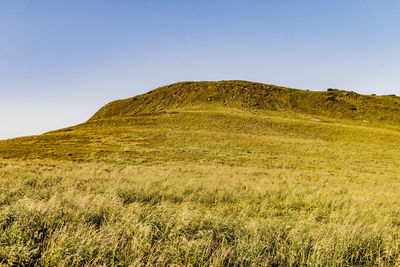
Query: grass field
[(203, 185)]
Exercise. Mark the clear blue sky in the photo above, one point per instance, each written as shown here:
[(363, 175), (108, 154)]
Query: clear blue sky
[(62, 60)]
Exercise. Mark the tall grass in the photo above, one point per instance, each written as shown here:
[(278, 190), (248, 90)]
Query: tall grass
[(203, 188)]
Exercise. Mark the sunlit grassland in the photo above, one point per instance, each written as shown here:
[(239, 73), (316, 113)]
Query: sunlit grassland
[(203, 187)]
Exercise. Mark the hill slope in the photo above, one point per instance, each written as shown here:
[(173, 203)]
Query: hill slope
[(256, 97), (199, 180)]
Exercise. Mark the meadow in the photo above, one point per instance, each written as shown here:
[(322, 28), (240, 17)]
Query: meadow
[(200, 187), (209, 174)]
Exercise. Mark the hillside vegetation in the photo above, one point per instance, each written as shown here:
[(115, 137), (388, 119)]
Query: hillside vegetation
[(256, 96), (209, 173)]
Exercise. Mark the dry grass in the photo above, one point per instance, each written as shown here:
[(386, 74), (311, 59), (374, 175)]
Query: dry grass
[(203, 187)]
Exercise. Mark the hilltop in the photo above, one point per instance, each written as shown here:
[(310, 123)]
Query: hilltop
[(240, 107), (255, 97)]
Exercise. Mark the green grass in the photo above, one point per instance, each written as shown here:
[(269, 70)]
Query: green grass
[(201, 184)]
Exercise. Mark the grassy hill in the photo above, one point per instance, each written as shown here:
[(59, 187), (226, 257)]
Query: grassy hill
[(257, 97), (209, 173)]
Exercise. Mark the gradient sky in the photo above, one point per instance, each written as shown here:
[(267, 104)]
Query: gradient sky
[(60, 61)]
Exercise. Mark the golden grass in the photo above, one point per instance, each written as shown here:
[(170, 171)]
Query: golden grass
[(203, 187)]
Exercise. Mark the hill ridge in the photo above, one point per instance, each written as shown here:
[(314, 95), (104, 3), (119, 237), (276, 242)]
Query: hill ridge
[(256, 96)]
